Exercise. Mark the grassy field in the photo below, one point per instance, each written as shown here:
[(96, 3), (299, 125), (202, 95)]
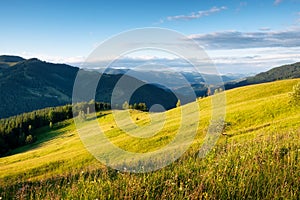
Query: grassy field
[(257, 156)]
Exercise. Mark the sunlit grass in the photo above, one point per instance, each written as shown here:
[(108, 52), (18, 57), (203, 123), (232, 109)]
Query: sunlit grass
[(257, 157)]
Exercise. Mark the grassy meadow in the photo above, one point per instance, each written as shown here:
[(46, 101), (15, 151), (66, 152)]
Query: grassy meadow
[(256, 157)]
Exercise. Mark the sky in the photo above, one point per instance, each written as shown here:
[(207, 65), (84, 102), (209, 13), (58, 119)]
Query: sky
[(239, 36)]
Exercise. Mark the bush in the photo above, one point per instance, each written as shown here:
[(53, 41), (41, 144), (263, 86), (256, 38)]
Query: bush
[(29, 139), (295, 95)]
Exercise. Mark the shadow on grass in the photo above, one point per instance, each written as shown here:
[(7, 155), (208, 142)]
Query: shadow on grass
[(45, 134)]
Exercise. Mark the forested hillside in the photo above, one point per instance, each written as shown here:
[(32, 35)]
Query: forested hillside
[(278, 73), (32, 84)]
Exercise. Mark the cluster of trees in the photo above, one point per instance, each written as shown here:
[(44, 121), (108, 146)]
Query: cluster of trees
[(90, 107), (136, 106), (18, 130)]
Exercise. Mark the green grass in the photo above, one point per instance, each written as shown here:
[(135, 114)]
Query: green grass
[(257, 157)]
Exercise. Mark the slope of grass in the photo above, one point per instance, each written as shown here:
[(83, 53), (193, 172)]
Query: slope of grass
[(257, 157)]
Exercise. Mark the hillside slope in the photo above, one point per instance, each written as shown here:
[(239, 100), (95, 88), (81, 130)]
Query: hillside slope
[(33, 84), (278, 73), (257, 157), (9, 61)]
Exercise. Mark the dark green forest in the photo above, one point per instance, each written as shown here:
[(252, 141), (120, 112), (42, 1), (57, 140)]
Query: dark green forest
[(34, 84), (19, 130)]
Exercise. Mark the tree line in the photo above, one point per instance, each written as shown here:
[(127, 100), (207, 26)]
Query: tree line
[(18, 130), (136, 106)]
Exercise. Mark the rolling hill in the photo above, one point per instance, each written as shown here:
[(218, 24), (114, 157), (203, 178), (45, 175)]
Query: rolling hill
[(256, 157)]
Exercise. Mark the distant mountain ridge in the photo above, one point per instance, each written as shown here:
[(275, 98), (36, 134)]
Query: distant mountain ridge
[(169, 76), (33, 84), (8, 61), (186, 84), (278, 73), (6, 58), (289, 71)]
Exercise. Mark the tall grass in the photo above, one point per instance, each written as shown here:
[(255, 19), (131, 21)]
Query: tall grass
[(256, 158), (267, 167)]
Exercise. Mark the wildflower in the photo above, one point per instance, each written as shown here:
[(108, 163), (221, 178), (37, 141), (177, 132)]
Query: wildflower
[(205, 195)]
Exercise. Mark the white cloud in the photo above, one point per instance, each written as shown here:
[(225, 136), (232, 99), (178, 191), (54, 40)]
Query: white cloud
[(74, 60), (247, 60), (253, 59), (239, 40), (231, 51), (196, 15), (277, 2), (236, 51)]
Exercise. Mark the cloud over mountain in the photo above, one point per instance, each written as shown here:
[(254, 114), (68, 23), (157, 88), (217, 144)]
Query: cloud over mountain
[(241, 40)]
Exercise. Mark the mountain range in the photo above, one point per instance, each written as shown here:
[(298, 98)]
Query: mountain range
[(30, 84), (184, 83), (27, 85)]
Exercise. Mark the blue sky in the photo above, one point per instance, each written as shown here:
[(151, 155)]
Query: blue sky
[(240, 36)]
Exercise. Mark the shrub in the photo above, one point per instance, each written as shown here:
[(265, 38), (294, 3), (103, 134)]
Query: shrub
[(295, 95), (29, 139)]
